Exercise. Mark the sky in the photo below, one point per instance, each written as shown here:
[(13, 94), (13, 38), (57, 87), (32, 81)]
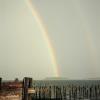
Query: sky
[(49, 38)]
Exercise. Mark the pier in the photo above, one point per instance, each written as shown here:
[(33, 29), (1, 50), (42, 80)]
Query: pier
[(65, 90), (51, 89)]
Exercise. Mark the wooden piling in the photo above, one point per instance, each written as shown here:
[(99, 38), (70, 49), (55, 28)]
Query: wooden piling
[(0, 83), (27, 83)]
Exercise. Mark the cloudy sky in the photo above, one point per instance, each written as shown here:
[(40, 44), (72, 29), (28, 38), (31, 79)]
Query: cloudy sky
[(73, 30)]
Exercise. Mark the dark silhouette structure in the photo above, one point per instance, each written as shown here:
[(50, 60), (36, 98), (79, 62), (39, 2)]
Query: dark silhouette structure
[(0, 83), (27, 83)]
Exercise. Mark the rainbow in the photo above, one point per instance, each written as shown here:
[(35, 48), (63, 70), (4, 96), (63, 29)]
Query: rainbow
[(90, 45), (44, 32)]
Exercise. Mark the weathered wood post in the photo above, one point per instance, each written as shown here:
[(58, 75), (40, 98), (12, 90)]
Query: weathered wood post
[(0, 83), (30, 90), (25, 88), (27, 83)]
